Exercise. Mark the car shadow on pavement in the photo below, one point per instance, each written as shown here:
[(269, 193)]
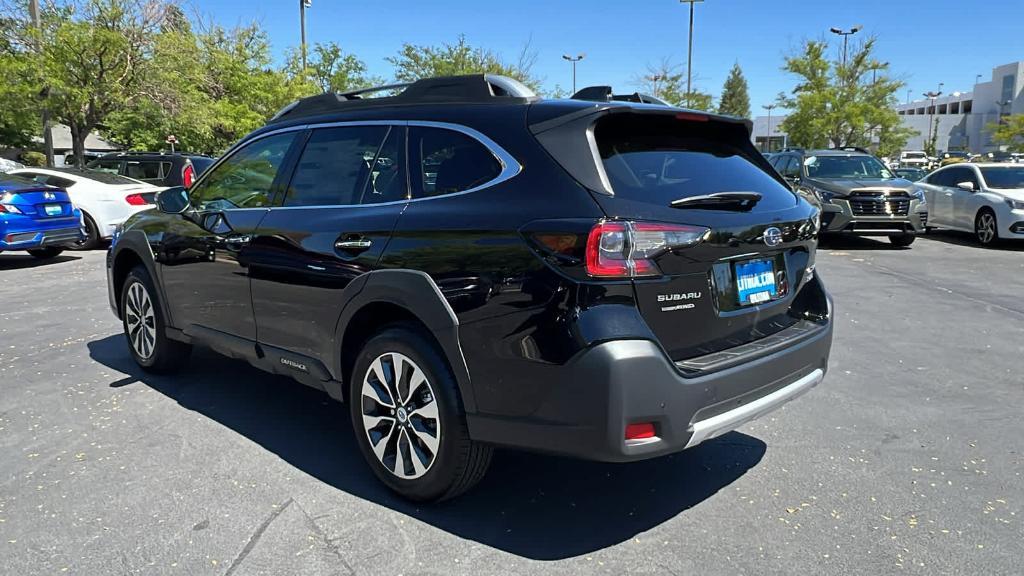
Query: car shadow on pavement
[(535, 506), (968, 240), (19, 261)]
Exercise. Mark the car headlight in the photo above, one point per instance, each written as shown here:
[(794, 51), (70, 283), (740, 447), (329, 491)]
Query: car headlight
[(824, 195), (918, 193), (1014, 204)]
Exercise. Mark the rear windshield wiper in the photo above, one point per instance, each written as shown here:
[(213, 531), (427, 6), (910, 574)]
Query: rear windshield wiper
[(738, 201)]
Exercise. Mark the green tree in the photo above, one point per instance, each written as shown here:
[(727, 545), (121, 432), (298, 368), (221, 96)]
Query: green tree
[(414, 62), (330, 69), (1009, 132), (666, 82), (735, 100), (842, 104)]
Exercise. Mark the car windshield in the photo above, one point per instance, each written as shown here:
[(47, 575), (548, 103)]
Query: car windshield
[(845, 167), (1004, 178), (913, 155)]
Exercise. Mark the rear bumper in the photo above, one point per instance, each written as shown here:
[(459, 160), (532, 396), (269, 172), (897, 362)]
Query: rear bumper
[(622, 382), (40, 238)]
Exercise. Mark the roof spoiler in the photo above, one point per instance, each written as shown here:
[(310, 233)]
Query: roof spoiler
[(605, 94)]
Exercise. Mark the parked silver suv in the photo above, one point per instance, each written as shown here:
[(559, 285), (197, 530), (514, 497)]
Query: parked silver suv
[(857, 193)]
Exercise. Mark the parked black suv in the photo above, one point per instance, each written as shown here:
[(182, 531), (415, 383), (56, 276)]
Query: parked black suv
[(467, 266), (157, 168), (857, 193)]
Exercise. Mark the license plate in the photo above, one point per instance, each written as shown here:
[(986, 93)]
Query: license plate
[(755, 281), (53, 209)]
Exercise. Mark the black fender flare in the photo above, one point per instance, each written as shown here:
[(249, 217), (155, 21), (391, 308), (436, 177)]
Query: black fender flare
[(416, 292), (137, 242)]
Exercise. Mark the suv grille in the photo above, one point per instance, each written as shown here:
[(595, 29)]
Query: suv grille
[(880, 203)]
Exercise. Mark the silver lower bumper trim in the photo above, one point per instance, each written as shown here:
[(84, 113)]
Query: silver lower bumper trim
[(727, 421)]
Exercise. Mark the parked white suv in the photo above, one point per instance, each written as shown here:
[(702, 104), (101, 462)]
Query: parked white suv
[(914, 159)]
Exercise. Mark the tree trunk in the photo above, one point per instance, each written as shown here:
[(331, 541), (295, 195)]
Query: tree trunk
[(78, 136)]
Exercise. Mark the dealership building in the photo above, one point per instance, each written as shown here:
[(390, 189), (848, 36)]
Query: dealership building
[(961, 117)]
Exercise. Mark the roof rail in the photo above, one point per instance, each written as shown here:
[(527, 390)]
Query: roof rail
[(853, 149), (472, 88), (604, 94)]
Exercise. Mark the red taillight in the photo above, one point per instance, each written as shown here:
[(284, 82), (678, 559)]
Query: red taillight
[(188, 175), (626, 249), (691, 117), (639, 431), (135, 200)]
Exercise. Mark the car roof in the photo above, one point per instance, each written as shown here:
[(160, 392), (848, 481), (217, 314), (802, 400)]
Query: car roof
[(94, 175)]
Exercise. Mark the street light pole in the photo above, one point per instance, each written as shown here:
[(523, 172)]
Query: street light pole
[(33, 11), (908, 95), (654, 79), (574, 61), (931, 112), (768, 140), (846, 34), (303, 4), (689, 53)]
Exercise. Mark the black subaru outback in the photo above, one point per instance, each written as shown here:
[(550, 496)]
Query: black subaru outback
[(468, 266)]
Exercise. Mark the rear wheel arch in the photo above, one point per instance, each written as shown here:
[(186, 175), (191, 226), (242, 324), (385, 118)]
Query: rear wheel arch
[(388, 297)]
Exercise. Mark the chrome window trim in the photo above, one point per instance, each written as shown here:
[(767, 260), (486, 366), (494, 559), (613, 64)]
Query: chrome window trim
[(510, 167)]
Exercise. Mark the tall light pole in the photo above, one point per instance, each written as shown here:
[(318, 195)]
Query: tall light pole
[(303, 4), (875, 68), (689, 53), (908, 95), (931, 112), (574, 60), (768, 141), (846, 34)]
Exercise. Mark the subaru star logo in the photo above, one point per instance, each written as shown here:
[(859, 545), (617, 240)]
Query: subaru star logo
[(772, 236)]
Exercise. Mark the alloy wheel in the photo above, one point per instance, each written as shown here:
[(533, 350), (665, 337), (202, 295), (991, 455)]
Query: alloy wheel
[(986, 227), (140, 320), (400, 416)]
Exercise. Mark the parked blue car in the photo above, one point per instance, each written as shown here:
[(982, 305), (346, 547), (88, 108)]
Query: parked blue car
[(36, 218)]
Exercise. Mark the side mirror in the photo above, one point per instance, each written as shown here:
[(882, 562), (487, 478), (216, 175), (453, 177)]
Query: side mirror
[(968, 186), (173, 200)]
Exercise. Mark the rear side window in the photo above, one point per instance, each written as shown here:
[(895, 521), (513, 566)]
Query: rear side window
[(147, 170), (335, 166), (449, 162), (658, 159), (59, 182), (110, 166)]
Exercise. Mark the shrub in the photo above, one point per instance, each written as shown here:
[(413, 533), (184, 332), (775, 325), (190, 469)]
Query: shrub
[(33, 159)]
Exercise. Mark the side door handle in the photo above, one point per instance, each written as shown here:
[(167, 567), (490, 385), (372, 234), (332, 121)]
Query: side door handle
[(235, 242), (353, 244)]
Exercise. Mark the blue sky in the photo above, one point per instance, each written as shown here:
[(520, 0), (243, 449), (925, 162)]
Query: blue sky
[(925, 42)]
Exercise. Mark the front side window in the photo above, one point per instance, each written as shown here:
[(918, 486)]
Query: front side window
[(1004, 178), (846, 167), (245, 180), (449, 162), (335, 166)]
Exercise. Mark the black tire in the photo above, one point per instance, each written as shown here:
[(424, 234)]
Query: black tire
[(92, 235), (983, 236), (903, 240), (458, 463), (46, 253), (164, 355)]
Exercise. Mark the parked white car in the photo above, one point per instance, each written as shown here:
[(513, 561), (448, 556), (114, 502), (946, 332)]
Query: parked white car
[(105, 199), (914, 159), (986, 199)]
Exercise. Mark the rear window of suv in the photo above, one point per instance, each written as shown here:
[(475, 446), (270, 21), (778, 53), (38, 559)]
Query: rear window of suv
[(658, 159)]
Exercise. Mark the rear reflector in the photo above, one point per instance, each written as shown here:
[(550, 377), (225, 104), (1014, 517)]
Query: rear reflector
[(639, 431), (626, 249), (136, 200)]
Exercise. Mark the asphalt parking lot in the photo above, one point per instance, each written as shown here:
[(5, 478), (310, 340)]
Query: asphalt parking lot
[(906, 459)]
